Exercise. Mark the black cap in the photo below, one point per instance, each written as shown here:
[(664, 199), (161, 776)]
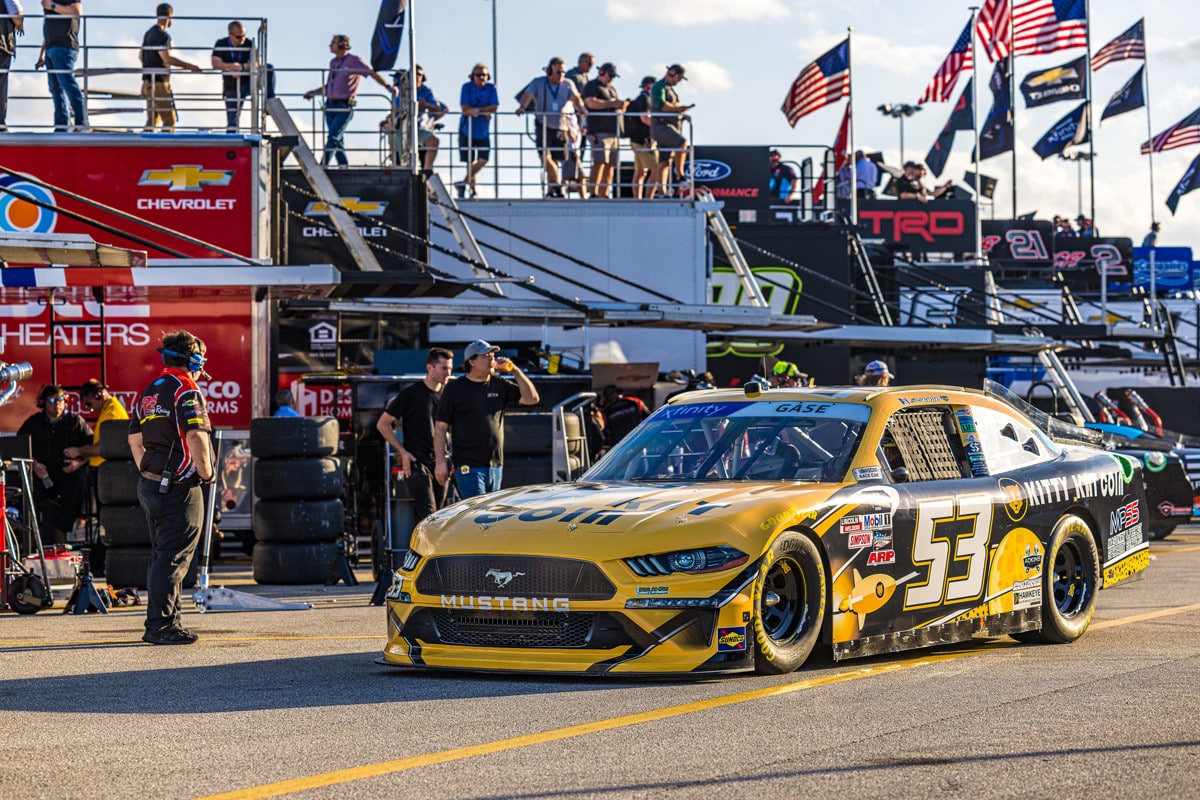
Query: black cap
[(610, 68), (775, 153), (912, 164), (648, 79), (678, 70)]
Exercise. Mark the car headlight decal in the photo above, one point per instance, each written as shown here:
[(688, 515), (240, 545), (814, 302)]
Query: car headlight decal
[(693, 561)]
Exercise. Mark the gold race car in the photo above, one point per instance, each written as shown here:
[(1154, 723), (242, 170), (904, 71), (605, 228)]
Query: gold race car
[(740, 530)]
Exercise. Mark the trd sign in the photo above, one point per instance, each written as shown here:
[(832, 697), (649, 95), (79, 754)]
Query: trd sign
[(938, 226)]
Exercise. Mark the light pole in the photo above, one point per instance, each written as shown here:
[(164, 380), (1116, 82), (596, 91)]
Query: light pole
[(899, 111), (1078, 156)]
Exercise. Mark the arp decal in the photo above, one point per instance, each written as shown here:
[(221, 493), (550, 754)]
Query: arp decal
[(1015, 504)]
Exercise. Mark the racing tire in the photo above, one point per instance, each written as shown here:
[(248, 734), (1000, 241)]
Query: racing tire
[(298, 520), (1070, 580), (114, 440), (291, 563), (1161, 531), (293, 437), (117, 482), (124, 526), (297, 478), (789, 600), (27, 594), (125, 567)]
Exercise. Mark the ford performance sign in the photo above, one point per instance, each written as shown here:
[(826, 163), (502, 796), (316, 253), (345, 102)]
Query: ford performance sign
[(708, 170)]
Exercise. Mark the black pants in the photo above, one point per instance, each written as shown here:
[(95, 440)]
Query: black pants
[(428, 495), (5, 63), (175, 520)]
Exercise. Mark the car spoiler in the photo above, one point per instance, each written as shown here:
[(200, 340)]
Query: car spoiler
[(1056, 429)]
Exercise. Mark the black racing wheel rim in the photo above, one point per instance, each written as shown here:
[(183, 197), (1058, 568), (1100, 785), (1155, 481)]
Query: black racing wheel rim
[(784, 621), (1073, 581)]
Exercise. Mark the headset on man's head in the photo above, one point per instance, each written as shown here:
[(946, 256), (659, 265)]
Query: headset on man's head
[(195, 360)]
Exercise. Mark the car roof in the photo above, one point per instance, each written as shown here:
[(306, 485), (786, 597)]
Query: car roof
[(843, 394)]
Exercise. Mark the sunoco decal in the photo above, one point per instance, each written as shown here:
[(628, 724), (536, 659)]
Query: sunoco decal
[(731, 639)]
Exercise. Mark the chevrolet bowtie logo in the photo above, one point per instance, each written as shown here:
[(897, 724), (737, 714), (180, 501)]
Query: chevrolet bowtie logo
[(186, 177), (368, 208)]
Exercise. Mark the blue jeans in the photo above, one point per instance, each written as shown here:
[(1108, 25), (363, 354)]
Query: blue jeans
[(472, 481), (234, 100), (338, 114), (64, 89)]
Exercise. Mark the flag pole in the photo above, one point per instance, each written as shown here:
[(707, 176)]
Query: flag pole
[(850, 132), (1149, 127), (1087, 15), (1012, 102), (411, 100), (975, 131)]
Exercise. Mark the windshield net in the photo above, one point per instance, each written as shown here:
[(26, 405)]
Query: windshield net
[(761, 441)]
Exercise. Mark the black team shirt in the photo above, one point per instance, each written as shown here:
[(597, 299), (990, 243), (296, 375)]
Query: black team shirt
[(165, 412), (475, 413), (416, 407)]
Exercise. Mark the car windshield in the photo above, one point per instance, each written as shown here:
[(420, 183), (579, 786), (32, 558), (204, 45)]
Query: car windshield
[(742, 441)]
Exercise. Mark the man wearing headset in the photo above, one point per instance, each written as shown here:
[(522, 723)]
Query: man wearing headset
[(169, 436), (58, 483)]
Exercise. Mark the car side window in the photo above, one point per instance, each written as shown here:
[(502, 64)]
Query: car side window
[(922, 444), (1008, 442)]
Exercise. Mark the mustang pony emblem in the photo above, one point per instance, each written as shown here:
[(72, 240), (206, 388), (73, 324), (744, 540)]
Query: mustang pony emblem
[(502, 578)]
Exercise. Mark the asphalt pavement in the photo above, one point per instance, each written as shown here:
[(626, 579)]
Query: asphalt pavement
[(291, 704)]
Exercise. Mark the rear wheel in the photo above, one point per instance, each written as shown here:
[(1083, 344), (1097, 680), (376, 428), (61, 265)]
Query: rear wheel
[(789, 604), (27, 594), (1070, 580)]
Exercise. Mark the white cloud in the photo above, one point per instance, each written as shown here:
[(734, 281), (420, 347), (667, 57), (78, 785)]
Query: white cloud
[(707, 76), (695, 12)]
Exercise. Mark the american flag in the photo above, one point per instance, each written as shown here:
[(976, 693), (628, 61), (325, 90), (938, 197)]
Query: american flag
[(1181, 134), (941, 88), (994, 26), (1130, 44), (1046, 26), (820, 83)]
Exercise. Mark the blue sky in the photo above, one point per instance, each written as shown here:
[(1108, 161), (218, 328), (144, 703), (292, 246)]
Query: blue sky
[(742, 55)]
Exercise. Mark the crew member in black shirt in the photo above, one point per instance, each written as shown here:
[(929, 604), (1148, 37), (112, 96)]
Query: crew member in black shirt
[(58, 482), (156, 63), (169, 436), (472, 412), (416, 408)]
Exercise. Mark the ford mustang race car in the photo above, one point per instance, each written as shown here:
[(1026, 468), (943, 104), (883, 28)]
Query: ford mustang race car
[(740, 530)]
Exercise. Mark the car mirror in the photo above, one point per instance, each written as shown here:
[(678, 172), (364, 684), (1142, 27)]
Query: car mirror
[(900, 475)]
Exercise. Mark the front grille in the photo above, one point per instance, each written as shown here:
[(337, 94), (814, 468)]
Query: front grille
[(514, 576), (513, 629)]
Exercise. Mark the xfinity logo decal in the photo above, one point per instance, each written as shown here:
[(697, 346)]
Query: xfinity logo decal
[(503, 578), (708, 169)]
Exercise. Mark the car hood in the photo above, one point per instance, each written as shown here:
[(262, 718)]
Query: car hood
[(613, 520)]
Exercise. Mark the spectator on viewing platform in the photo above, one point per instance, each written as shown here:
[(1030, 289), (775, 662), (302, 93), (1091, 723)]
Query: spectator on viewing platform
[(479, 101), (552, 97), (604, 127), (341, 92), (96, 397), (231, 56), (58, 482), (471, 415), (645, 154), (285, 404), (156, 65), (416, 408), (1085, 226), (782, 182), (11, 27), (1151, 239), (1062, 228), (665, 126), (876, 373), (910, 187), (580, 76), (429, 111), (60, 43), (866, 176)]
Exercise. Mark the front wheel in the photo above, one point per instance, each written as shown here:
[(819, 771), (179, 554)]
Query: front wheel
[(789, 604), (1070, 580)]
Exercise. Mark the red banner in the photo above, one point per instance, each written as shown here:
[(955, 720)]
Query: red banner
[(205, 190), (134, 321)]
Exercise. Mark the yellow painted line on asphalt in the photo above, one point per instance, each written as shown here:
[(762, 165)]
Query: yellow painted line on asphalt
[(1162, 612), (558, 734), (351, 774), (1169, 550), (203, 638)]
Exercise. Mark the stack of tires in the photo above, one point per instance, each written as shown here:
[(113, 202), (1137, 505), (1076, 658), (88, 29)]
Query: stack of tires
[(123, 525), (298, 513)]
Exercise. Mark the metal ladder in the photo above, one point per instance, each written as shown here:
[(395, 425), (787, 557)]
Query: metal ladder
[(720, 229), (57, 324), (871, 280), (445, 203), (1170, 349), (343, 223)]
